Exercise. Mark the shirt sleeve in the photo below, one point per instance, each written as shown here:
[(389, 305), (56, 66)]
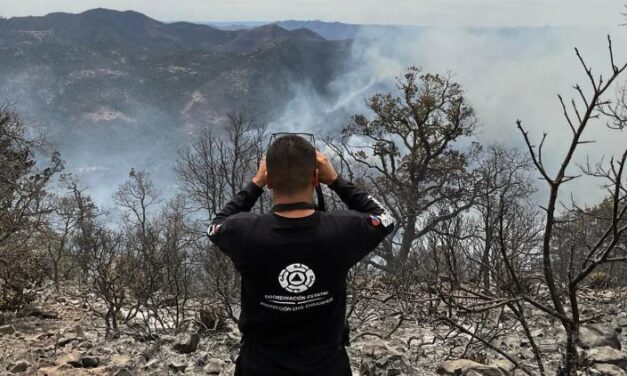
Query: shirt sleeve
[(221, 230), (365, 233), (369, 223), (355, 198)]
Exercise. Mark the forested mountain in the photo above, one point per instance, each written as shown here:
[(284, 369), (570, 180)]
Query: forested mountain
[(119, 85)]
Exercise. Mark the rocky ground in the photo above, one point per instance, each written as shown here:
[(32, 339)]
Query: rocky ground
[(60, 335)]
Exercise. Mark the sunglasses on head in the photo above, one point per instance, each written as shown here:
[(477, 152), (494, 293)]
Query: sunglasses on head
[(307, 136)]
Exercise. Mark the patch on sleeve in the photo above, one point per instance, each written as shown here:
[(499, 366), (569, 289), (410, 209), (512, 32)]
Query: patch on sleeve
[(383, 219), (374, 220), (213, 230)]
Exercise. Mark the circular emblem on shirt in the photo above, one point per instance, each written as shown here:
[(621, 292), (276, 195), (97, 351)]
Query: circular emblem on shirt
[(297, 278)]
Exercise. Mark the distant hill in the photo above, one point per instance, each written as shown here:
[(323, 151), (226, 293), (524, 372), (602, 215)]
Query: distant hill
[(329, 30), (122, 86), (108, 27)]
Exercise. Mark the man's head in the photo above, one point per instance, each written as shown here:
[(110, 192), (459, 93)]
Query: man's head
[(291, 164)]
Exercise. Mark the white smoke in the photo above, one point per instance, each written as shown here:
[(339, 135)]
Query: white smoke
[(507, 73)]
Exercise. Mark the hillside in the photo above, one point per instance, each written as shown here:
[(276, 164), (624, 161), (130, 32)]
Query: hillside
[(114, 87)]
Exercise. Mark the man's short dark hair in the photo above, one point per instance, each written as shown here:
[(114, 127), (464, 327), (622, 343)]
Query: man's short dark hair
[(291, 163)]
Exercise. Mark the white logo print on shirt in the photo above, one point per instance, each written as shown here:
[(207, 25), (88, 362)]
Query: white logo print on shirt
[(297, 278)]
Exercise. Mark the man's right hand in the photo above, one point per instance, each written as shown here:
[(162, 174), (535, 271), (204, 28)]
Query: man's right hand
[(326, 172)]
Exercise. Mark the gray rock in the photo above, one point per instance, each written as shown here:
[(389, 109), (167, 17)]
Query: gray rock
[(210, 320), (203, 358), (503, 364), (77, 361), (90, 361), (177, 366), (150, 351), (123, 372), (40, 313), (377, 350), (609, 370), (20, 366), (465, 367), (214, 367), (85, 345), (73, 359), (597, 336), (188, 346), (385, 361), (538, 333), (165, 339), (7, 329), (608, 355), (153, 363), (65, 340)]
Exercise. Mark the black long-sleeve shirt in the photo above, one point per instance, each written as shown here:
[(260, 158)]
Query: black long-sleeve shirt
[(294, 269)]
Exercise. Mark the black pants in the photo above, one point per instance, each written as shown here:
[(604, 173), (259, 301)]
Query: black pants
[(257, 360)]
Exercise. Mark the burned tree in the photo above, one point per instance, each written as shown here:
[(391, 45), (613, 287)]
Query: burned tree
[(212, 170), (214, 167), (408, 153), (100, 257), (546, 277), (603, 249), (61, 225), (24, 203)]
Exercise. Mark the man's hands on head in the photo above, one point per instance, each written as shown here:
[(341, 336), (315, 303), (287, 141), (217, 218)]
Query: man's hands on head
[(260, 176), (326, 172)]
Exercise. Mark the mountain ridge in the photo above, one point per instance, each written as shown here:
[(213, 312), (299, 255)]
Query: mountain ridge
[(116, 90), (134, 27)]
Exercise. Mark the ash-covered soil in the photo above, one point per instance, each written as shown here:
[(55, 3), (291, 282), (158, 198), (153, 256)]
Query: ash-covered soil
[(61, 335)]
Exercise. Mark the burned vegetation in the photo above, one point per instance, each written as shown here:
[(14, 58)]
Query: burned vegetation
[(477, 278)]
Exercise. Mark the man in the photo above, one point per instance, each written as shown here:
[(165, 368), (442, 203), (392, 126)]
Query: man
[(294, 260)]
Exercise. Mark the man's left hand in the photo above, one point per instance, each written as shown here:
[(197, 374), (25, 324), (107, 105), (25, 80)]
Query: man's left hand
[(260, 176)]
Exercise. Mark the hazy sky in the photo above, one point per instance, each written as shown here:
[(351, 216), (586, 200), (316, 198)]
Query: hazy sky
[(422, 12)]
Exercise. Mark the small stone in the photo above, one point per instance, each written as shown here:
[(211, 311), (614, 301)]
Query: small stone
[(189, 346), (214, 367), (165, 339), (150, 351), (123, 372), (60, 370), (40, 313), (385, 361), (20, 366), (73, 331), (465, 366), (73, 359), (90, 361), (202, 359), (503, 364), (85, 345), (65, 340), (376, 350), (597, 336), (177, 366), (538, 333), (609, 370), (607, 354), (7, 329), (153, 363)]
